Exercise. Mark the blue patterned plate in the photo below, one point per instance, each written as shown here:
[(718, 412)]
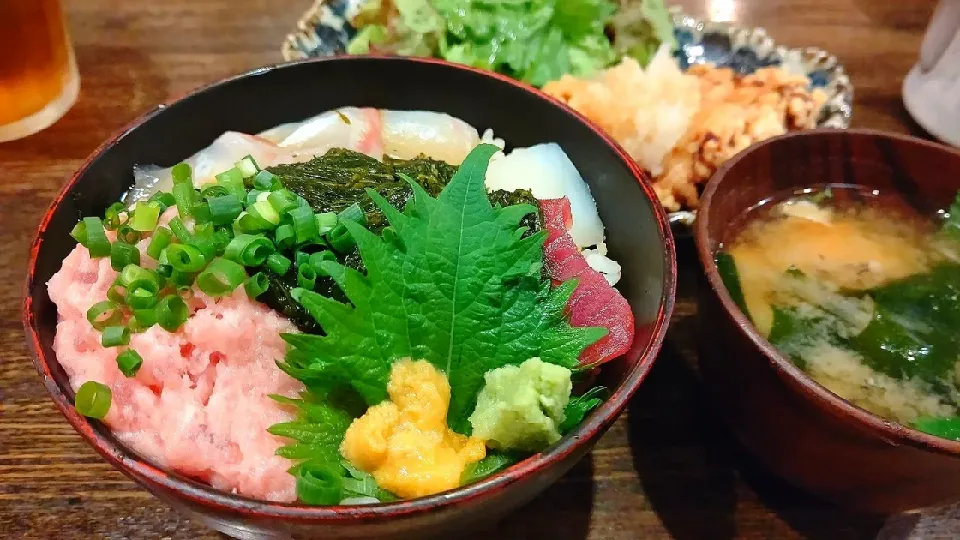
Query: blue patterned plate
[(324, 30)]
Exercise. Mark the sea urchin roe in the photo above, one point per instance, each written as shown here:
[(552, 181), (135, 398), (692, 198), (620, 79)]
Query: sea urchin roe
[(405, 442)]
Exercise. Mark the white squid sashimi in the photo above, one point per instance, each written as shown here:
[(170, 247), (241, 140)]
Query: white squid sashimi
[(221, 155), (348, 127), (407, 134), (548, 173)]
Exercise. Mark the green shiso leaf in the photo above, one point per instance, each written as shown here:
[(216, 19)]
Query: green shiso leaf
[(494, 462), (580, 406), (454, 280)]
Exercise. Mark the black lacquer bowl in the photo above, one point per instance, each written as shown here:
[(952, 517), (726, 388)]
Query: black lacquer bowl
[(638, 236)]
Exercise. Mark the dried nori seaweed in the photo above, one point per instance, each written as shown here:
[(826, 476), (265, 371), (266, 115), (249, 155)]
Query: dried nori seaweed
[(339, 178)]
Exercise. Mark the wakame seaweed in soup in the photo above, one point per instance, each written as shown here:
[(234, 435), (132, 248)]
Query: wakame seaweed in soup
[(864, 297)]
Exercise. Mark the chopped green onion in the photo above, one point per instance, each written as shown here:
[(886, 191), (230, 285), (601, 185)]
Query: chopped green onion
[(182, 279), (93, 237), (221, 277), (133, 276), (172, 312), (306, 277), (104, 314), (165, 199), (214, 190), (265, 211), (282, 200), (122, 254), (249, 250), (79, 233), (180, 230), (141, 298), (93, 400), (129, 362), (224, 209), (117, 293), (115, 336), (251, 223), (252, 197), (319, 484), (248, 167), (164, 270), (285, 237), (184, 197), (145, 217), (159, 241), (301, 259), (139, 283), (201, 230), (207, 245), (115, 215), (232, 179), (340, 238), (145, 317), (267, 181), (125, 233), (182, 174), (317, 259), (223, 237), (304, 224), (185, 258), (201, 212), (278, 264), (213, 242), (326, 221), (256, 284)]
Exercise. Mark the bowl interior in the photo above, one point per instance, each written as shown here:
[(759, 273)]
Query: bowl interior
[(637, 233), (923, 176)]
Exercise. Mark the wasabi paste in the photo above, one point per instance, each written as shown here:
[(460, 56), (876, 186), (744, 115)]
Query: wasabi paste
[(521, 407)]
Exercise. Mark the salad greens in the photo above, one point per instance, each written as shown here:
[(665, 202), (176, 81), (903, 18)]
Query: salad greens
[(535, 41), (641, 28)]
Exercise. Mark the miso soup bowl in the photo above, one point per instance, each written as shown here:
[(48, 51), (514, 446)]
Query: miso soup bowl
[(638, 235), (798, 428)]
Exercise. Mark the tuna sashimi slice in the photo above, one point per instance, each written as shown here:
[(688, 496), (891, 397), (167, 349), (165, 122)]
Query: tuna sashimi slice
[(594, 302)]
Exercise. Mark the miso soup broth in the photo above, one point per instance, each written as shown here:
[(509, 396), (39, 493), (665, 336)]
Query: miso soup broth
[(860, 293)]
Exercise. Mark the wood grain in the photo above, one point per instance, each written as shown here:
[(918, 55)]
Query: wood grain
[(666, 469)]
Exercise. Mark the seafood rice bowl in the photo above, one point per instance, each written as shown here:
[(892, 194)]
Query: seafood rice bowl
[(364, 306)]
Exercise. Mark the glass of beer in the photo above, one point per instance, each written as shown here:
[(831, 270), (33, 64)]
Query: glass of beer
[(38, 74)]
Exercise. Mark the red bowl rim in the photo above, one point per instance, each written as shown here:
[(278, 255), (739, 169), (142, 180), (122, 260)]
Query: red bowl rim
[(891, 432), (206, 496)]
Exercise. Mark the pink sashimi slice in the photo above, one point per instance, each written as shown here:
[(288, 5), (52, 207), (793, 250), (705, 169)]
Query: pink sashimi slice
[(594, 302)]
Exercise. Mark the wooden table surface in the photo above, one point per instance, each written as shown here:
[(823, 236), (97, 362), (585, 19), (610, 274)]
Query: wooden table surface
[(665, 470)]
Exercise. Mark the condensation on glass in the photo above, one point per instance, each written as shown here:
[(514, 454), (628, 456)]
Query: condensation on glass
[(38, 73)]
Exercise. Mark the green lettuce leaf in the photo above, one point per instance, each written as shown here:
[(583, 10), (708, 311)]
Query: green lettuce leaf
[(641, 27), (404, 27), (453, 280), (536, 41)]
